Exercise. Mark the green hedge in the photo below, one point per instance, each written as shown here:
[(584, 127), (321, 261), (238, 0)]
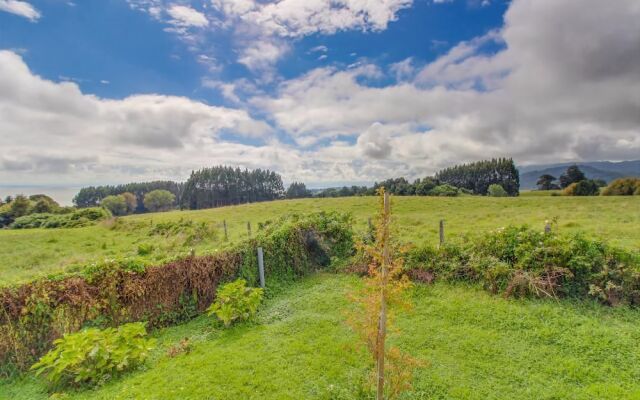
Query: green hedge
[(116, 292)]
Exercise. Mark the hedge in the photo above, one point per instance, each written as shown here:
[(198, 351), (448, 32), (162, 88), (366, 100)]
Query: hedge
[(113, 293)]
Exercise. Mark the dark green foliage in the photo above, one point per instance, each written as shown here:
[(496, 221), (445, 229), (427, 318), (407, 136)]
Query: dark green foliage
[(423, 187), (94, 356), (222, 186), (586, 187), (297, 190), (572, 175), (523, 261), (345, 191), (76, 219), (623, 187), (478, 176), (91, 196), (546, 182)]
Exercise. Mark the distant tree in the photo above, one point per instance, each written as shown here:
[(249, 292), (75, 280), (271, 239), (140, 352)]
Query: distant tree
[(600, 182), (20, 206), (572, 175), (297, 190), (623, 187), (477, 176), (131, 202), (585, 187), (159, 200), (116, 204), (496, 190), (8, 199), (444, 190), (43, 206), (545, 182), (424, 186)]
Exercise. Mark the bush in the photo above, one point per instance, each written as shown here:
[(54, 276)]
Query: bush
[(623, 187), (585, 187), (159, 200), (236, 302), (521, 261), (79, 218), (94, 356), (444, 190), (496, 190), (117, 205)]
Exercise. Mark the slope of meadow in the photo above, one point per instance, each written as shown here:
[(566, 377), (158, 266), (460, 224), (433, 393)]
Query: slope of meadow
[(30, 253), (474, 345)]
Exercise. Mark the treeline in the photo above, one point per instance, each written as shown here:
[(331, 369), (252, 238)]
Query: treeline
[(478, 176), (481, 178), (93, 195), (223, 186)]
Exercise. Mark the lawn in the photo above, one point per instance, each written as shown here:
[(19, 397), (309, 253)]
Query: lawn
[(30, 253), (474, 345)]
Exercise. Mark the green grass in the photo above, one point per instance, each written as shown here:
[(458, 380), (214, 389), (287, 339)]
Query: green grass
[(30, 253), (476, 346)]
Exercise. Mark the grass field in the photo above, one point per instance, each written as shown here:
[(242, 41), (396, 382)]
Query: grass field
[(30, 253), (475, 346)]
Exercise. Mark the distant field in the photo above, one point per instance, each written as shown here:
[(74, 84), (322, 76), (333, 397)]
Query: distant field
[(475, 346), (27, 254)]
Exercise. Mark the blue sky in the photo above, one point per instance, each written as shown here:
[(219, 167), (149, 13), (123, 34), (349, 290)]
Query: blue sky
[(324, 91)]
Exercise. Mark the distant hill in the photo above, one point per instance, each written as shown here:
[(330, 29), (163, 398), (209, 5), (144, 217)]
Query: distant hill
[(605, 170)]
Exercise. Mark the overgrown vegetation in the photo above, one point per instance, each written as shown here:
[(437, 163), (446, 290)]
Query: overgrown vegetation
[(94, 356), (75, 219), (521, 261), (623, 187), (112, 293)]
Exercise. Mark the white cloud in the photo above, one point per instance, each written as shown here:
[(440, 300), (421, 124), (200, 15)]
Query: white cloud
[(90, 138), (21, 8), (565, 86), (186, 17)]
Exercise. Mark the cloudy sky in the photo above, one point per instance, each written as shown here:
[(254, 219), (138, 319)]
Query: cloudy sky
[(323, 91)]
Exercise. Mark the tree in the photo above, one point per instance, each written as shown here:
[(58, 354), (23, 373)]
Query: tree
[(572, 175), (297, 190), (159, 200), (131, 202), (496, 190), (20, 206), (623, 187), (478, 176), (585, 187), (545, 182), (116, 204)]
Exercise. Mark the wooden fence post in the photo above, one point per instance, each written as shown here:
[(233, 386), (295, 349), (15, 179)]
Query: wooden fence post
[(224, 223), (382, 321), (547, 227), (261, 266), (441, 232), (249, 229)]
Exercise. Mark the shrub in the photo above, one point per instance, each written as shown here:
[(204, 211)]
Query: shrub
[(444, 190), (79, 218), (159, 200), (496, 190), (116, 204), (236, 302), (585, 187), (623, 187), (94, 356)]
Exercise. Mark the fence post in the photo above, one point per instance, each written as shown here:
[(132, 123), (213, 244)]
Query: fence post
[(441, 232), (547, 227), (249, 229), (224, 223), (261, 266)]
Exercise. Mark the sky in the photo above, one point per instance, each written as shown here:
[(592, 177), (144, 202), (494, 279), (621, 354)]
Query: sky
[(327, 92)]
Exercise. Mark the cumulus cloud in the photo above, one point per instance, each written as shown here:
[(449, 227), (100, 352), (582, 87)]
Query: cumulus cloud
[(21, 8), (184, 16), (565, 85), (54, 128)]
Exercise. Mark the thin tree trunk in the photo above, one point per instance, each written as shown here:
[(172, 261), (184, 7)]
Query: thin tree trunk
[(382, 322)]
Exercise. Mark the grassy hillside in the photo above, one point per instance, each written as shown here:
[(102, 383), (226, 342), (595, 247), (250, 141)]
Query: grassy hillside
[(476, 346), (30, 253)]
